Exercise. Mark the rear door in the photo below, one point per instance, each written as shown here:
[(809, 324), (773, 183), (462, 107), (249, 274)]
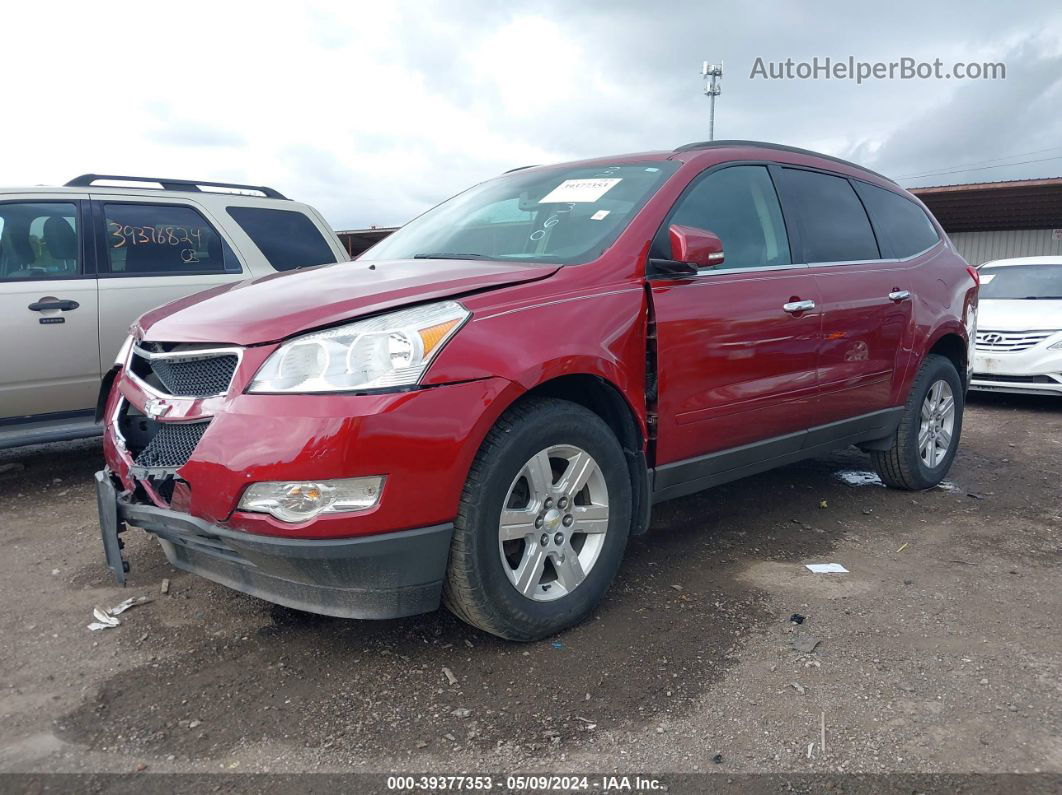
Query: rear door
[(737, 344), (152, 252), (51, 358), (865, 294)]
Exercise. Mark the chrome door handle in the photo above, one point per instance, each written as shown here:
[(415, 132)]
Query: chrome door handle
[(796, 307), (899, 295)]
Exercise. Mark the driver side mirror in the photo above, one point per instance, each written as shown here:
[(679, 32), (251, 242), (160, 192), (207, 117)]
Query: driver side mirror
[(691, 249), (698, 247)]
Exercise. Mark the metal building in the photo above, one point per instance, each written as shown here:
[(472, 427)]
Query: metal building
[(356, 241), (996, 220)]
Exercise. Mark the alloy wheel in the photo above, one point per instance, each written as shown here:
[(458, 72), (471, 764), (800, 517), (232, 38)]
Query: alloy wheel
[(553, 522), (938, 424)]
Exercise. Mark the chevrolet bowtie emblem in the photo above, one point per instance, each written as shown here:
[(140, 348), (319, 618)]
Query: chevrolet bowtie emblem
[(156, 408)]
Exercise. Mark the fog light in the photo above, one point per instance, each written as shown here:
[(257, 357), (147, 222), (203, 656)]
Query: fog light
[(299, 501)]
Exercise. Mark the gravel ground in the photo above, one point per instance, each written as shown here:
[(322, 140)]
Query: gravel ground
[(938, 653)]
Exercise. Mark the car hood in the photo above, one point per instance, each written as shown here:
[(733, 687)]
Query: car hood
[(282, 304), (1000, 314)]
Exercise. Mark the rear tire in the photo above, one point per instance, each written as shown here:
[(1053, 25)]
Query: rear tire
[(561, 477), (927, 438)]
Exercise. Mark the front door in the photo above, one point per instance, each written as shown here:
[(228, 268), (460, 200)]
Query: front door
[(48, 326), (736, 344)]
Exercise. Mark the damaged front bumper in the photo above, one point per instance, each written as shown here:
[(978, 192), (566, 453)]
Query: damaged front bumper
[(381, 576)]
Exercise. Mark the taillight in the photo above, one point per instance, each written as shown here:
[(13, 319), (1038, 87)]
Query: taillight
[(970, 269)]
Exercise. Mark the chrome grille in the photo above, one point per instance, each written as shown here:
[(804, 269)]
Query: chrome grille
[(172, 444), (1009, 341), (195, 373)]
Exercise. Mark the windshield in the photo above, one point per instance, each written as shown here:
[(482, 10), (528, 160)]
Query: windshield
[(1022, 281), (565, 215)]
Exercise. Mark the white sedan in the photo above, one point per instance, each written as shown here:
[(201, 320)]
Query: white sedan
[(1019, 327)]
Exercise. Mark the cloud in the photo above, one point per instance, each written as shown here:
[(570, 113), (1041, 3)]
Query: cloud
[(375, 111), (979, 124), (175, 133)]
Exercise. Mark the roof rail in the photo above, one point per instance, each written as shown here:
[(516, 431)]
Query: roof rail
[(779, 147), (518, 168), (192, 185)]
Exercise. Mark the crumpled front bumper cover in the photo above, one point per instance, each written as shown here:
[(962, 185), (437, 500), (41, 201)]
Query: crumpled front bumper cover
[(380, 576)]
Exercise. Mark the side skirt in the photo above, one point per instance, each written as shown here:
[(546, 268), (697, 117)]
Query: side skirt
[(694, 474)]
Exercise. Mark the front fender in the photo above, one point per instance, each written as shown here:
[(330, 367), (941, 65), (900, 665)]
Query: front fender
[(600, 333)]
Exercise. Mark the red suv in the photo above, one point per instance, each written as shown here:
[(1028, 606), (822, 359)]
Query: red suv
[(485, 406)]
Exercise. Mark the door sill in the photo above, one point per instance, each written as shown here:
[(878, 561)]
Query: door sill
[(43, 429), (680, 478)]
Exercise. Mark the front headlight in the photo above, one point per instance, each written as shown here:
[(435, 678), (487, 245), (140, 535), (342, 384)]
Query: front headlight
[(1056, 347), (381, 352)]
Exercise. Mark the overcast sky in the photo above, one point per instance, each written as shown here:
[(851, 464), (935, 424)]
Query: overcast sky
[(375, 111)]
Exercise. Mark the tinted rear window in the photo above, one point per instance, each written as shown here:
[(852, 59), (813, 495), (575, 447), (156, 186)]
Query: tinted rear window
[(903, 223), (833, 223), (286, 238)]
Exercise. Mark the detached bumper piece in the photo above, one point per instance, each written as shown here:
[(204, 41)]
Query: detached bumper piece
[(381, 576)]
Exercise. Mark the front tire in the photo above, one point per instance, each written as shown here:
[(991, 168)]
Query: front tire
[(927, 437), (542, 523)]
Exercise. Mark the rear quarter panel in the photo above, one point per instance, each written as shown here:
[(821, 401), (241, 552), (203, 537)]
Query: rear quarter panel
[(945, 302)]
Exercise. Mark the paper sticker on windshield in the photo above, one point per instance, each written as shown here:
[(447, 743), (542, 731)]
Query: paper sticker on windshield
[(579, 190), (600, 215), (987, 277)]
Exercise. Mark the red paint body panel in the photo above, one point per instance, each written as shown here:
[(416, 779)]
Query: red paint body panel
[(423, 441), (732, 366), (287, 303)]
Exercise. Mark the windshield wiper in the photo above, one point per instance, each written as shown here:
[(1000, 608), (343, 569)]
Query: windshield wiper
[(449, 255)]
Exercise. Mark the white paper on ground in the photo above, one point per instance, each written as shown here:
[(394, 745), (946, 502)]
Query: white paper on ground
[(579, 190), (826, 568), (600, 215)]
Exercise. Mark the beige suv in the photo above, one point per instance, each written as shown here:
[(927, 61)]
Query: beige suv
[(79, 263)]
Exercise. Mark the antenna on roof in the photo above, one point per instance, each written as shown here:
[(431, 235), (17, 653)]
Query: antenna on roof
[(711, 74)]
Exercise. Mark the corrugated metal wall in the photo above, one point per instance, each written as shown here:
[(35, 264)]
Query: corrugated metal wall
[(980, 247)]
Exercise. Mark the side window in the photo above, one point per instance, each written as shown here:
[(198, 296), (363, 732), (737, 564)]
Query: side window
[(163, 239), (38, 240), (739, 205), (833, 224), (903, 223), (286, 238)]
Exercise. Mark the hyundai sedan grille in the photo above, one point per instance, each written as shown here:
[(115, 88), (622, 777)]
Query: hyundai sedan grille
[(1009, 341)]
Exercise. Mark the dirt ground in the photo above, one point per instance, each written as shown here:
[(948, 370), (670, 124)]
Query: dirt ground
[(940, 651)]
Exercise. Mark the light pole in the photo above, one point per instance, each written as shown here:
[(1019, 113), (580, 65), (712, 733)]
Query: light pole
[(711, 73)]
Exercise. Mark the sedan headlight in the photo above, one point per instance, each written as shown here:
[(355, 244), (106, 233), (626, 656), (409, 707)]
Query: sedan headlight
[(381, 352), (1056, 347)]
